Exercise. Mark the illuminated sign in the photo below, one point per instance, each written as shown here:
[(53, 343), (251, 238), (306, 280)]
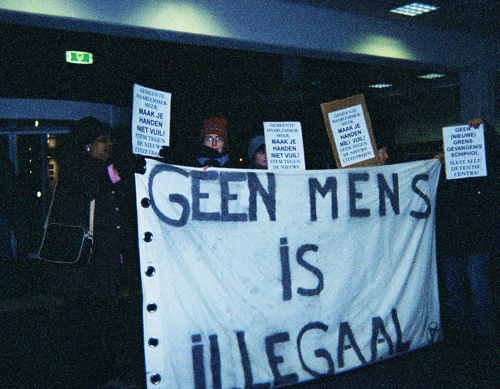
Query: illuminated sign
[(80, 57)]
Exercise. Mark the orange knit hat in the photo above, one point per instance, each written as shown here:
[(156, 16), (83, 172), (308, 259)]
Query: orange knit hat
[(214, 126)]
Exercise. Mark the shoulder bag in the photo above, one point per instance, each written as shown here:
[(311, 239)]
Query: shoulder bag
[(65, 243)]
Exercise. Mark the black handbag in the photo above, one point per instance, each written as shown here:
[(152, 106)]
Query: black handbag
[(65, 243)]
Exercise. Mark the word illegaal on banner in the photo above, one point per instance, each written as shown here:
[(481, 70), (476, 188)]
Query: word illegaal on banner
[(268, 195), (346, 341)]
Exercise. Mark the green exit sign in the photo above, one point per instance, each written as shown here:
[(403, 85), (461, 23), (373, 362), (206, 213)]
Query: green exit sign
[(80, 57)]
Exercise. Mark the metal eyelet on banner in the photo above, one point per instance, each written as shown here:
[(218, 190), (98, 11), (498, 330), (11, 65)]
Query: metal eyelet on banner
[(153, 342), (147, 237), (155, 379), (151, 307), (150, 271), (145, 202)]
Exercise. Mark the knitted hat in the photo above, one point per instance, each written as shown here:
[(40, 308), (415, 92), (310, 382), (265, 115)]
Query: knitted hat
[(88, 129), (216, 126), (255, 143)]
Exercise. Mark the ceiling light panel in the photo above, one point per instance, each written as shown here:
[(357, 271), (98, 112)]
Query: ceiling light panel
[(380, 86), (431, 76), (414, 9)]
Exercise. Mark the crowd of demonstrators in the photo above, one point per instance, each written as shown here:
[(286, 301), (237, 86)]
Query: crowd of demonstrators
[(94, 168), (257, 153), (468, 233), (468, 237)]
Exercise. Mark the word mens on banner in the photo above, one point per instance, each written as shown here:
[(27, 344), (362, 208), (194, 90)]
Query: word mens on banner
[(464, 152), (261, 279), (284, 146), (150, 121)]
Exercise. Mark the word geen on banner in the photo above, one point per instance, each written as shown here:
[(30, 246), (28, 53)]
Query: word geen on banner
[(268, 279)]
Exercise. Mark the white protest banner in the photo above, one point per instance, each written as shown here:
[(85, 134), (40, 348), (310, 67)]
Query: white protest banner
[(257, 279), (349, 129), (464, 152), (284, 146), (150, 121)]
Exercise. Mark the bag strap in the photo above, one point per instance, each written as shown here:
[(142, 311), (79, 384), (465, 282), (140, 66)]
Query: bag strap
[(91, 213), (91, 219), (51, 203)]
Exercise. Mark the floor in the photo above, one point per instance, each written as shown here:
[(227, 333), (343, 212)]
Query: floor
[(32, 354)]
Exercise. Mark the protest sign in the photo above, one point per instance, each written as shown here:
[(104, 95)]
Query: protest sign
[(150, 121), (350, 132), (464, 152), (284, 146), (256, 279)]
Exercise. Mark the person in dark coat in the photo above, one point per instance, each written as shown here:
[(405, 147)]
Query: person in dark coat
[(89, 174), (468, 235), (96, 170)]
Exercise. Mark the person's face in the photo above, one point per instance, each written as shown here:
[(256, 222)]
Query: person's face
[(384, 156), (261, 158), (214, 141), (101, 148)]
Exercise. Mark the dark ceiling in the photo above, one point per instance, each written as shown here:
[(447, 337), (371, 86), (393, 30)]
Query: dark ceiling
[(481, 17), (248, 87), (33, 65)]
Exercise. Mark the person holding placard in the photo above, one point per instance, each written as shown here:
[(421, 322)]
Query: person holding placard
[(95, 169), (257, 153), (468, 235)]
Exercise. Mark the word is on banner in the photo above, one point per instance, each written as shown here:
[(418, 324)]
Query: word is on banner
[(150, 121), (350, 132), (464, 152), (284, 146)]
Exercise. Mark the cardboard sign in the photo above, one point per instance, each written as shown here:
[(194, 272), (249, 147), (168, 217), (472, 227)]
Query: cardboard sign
[(464, 152), (350, 132), (150, 121), (284, 146)]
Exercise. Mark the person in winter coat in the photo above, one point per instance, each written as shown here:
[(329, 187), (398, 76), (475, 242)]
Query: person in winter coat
[(96, 170), (467, 238)]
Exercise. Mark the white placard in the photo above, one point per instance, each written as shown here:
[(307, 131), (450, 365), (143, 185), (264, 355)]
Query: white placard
[(150, 121), (464, 152), (351, 134), (261, 279), (284, 146)]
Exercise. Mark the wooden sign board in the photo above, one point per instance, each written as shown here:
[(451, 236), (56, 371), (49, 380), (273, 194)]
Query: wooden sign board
[(350, 132)]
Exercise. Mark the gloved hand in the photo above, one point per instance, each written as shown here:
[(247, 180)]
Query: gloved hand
[(126, 164), (209, 156), (165, 154)]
